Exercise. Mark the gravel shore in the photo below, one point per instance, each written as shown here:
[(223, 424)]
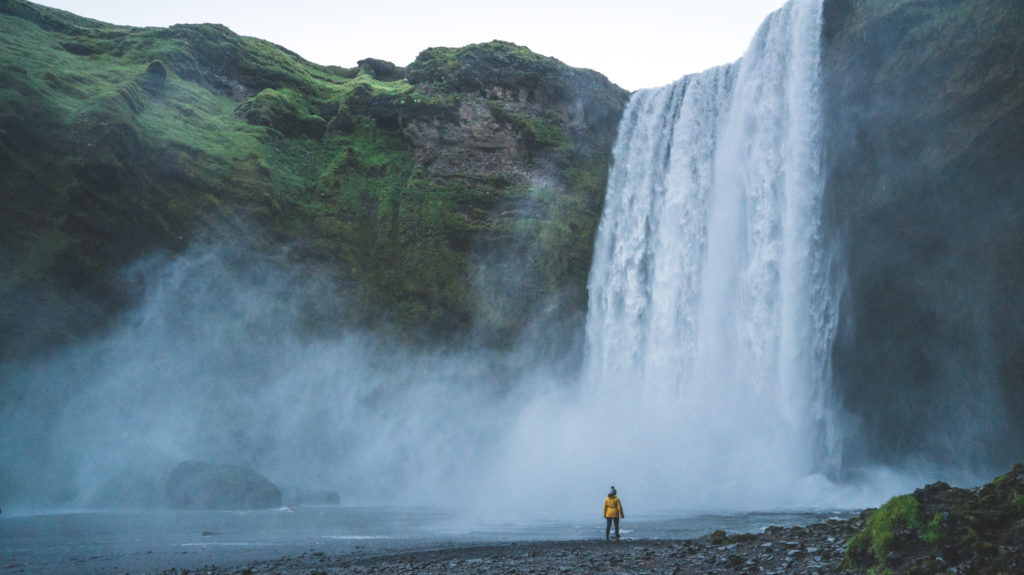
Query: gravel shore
[(936, 529), (815, 549)]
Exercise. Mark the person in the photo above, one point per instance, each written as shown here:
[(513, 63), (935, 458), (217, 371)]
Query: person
[(612, 513)]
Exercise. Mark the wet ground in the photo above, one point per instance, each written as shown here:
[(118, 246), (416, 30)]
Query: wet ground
[(335, 539), (816, 549)]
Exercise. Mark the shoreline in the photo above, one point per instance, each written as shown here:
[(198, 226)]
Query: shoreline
[(817, 548), (119, 542), (935, 529)]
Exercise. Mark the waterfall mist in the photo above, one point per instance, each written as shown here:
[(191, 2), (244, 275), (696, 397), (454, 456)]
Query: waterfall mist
[(213, 365), (705, 384)]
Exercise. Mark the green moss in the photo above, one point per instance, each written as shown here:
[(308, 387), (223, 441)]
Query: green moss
[(872, 545), (1018, 503), (283, 110), (932, 534), (548, 132), (481, 67)]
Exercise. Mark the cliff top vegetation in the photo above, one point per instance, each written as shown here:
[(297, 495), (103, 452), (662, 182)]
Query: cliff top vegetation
[(118, 142)]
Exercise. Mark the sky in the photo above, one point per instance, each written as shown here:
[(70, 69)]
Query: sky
[(635, 43)]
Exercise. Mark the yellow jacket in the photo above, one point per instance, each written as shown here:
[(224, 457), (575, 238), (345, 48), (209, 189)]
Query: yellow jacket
[(613, 507)]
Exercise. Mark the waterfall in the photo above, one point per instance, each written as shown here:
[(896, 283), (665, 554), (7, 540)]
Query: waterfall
[(711, 293)]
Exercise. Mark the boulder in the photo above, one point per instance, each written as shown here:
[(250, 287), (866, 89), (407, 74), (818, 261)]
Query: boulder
[(199, 485), (381, 69)]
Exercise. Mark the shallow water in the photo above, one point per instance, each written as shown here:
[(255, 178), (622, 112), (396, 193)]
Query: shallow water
[(151, 541)]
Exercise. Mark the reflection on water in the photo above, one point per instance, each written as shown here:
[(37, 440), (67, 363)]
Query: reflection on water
[(120, 541)]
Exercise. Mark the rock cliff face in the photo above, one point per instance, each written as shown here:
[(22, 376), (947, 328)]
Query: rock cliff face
[(416, 190), (925, 128)]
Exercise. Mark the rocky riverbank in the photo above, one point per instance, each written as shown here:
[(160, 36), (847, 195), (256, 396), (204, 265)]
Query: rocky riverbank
[(796, 550), (936, 529)]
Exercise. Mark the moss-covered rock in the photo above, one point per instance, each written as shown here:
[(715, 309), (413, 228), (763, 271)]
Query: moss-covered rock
[(939, 528), (381, 69), (283, 111)]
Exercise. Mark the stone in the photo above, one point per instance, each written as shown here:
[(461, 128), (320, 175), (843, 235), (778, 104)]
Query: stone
[(199, 485), (381, 69)]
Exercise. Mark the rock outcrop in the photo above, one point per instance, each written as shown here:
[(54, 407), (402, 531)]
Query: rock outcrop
[(943, 529), (924, 133), (199, 485)]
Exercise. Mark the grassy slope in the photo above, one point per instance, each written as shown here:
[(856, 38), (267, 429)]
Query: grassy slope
[(118, 141)]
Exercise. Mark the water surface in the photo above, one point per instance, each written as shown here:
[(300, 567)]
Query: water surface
[(146, 541)]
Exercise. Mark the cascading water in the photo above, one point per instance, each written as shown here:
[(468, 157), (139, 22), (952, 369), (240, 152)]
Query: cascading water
[(711, 293)]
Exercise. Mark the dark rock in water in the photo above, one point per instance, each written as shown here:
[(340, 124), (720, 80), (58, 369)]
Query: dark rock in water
[(328, 497), (198, 485)]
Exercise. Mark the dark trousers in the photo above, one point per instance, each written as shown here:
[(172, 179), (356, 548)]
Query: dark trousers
[(608, 527)]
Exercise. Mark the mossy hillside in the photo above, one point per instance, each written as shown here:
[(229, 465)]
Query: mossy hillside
[(940, 527), (118, 141), (133, 162)]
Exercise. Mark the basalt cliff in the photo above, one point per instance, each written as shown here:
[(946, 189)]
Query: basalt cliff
[(924, 122)]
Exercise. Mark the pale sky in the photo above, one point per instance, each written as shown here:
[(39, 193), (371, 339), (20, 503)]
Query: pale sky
[(635, 43)]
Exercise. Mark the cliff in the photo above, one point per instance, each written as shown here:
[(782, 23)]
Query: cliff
[(925, 128), (416, 190)]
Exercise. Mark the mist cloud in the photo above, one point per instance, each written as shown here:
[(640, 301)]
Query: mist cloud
[(216, 364)]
